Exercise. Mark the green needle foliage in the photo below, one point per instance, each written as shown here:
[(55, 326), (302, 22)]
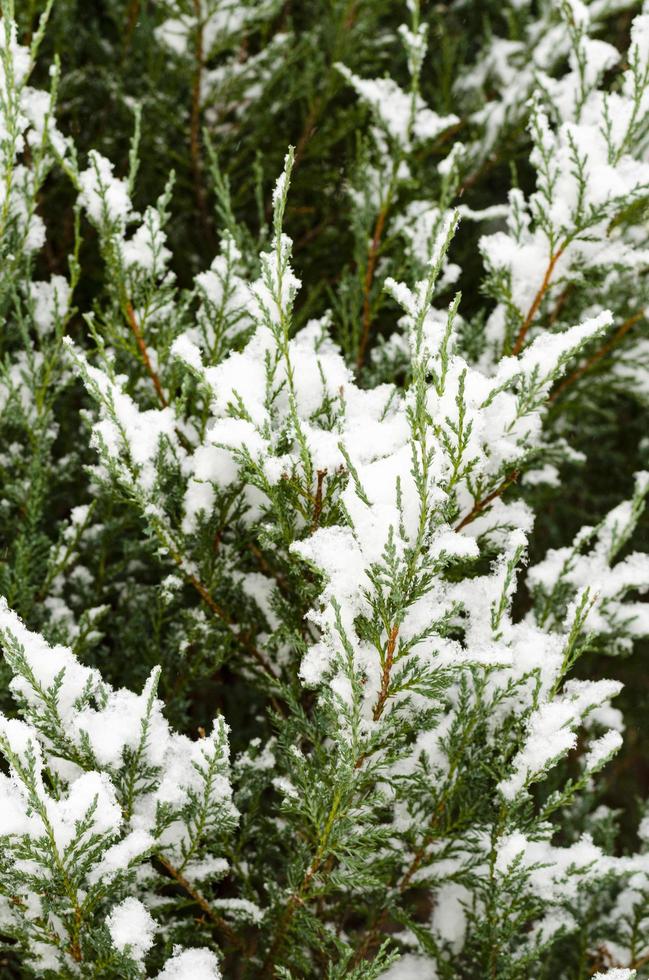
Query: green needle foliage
[(323, 553)]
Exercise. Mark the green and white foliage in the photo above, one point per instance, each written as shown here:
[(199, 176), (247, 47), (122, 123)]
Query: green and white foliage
[(102, 807), (282, 491), (208, 31), (584, 222)]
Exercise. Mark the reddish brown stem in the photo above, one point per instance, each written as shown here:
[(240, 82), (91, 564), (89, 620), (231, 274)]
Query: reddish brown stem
[(144, 354), (387, 670), (227, 931), (317, 503), (132, 16), (484, 502), (536, 302), (218, 610)]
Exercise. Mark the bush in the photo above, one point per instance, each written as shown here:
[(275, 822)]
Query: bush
[(322, 580)]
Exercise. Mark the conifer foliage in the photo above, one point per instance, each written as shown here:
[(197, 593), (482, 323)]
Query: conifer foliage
[(323, 324)]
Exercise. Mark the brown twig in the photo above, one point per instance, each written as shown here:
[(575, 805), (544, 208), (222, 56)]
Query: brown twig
[(317, 502), (590, 362), (132, 16), (218, 610), (267, 568), (536, 302), (385, 676), (480, 505), (218, 920), (560, 303), (144, 354)]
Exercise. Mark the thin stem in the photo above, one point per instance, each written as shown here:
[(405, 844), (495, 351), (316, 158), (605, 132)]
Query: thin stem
[(385, 677), (144, 354), (218, 610), (132, 17), (484, 502), (536, 302), (317, 502), (202, 903)]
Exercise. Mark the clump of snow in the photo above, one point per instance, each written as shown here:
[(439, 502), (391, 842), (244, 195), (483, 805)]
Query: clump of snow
[(131, 928), (199, 964), (411, 967)]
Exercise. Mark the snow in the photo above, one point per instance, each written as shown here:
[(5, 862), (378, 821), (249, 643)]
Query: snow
[(209, 867), (103, 196), (549, 350), (197, 964), (186, 351), (119, 856), (146, 249), (46, 663), (551, 731), (402, 114), (131, 928), (602, 749), (14, 818), (616, 974), (117, 726), (449, 919), (546, 867), (272, 294), (123, 427), (410, 967), (91, 792), (589, 563), (50, 302)]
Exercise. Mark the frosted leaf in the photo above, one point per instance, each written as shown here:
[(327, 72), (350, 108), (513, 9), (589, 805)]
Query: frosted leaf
[(146, 249), (103, 196), (551, 731), (601, 750), (50, 302), (401, 113)]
